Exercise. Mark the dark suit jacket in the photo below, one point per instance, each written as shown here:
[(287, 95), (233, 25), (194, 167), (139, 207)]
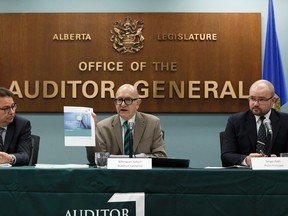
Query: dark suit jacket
[(147, 137), (18, 140), (241, 136)]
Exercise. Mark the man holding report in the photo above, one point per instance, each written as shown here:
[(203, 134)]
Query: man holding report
[(112, 132), (258, 132)]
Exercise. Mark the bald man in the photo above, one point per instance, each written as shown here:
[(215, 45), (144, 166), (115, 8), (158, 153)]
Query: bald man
[(241, 133), (110, 133)]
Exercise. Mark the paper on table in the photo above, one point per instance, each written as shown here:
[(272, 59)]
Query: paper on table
[(5, 165), (60, 166), (229, 167), (79, 127)]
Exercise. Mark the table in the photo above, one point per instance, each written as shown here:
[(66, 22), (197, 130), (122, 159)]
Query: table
[(29, 191)]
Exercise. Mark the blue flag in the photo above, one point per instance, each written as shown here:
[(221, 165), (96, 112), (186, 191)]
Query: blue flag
[(272, 65)]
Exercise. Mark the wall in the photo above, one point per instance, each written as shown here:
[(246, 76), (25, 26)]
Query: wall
[(194, 136)]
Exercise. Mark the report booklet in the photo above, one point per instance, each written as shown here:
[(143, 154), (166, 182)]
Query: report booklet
[(79, 126)]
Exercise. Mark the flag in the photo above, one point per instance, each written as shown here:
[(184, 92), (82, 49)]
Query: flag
[(272, 64)]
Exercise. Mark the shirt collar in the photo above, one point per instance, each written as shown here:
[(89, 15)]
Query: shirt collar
[(130, 120), (267, 116)]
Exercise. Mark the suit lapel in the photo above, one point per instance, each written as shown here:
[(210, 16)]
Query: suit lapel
[(9, 135), (274, 118), (117, 132), (138, 130), (250, 125)]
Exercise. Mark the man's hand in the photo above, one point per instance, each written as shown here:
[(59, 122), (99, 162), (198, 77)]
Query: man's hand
[(5, 158), (94, 118), (248, 158)]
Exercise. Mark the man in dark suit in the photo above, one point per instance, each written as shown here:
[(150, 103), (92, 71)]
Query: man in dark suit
[(15, 132), (110, 132), (240, 139)]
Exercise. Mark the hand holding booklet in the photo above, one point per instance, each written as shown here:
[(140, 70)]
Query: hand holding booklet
[(79, 126)]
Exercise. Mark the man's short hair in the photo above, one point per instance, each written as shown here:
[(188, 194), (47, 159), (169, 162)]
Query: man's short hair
[(4, 92)]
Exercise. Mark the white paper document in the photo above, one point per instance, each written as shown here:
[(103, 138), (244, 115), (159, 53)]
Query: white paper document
[(5, 165), (79, 126), (60, 166), (228, 167)]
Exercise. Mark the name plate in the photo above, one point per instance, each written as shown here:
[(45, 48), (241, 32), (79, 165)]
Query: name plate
[(129, 163), (269, 163)]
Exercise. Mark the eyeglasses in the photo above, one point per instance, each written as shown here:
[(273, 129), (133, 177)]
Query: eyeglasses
[(259, 100), (127, 101), (7, 109)]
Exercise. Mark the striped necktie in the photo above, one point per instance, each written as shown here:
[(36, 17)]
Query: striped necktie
[(126, 138), (1, 139), (261, 139)]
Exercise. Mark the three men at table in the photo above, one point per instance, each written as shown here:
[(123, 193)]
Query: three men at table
[(239, 144), (110, 132)]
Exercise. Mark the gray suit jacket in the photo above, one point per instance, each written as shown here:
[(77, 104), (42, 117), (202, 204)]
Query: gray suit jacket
[(147, 137)]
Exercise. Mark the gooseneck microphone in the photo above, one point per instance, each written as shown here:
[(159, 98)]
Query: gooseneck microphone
[(131, 128), (268, 126)]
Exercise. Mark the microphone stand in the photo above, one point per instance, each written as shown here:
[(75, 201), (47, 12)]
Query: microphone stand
[(131, 126), (269, 143), (269, 137)]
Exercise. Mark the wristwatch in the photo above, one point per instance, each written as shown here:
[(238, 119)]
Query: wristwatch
[(13, 159)]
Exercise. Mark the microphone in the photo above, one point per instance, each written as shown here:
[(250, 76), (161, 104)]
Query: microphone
[(131, 127), (268, 126)]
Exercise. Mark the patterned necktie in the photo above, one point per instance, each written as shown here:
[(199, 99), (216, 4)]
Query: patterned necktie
[(1, 139), (126, 139), (261, 140)]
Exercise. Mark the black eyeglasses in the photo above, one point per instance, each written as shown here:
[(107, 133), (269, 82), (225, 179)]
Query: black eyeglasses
[(127, 101), (7, 109), (259, 100)]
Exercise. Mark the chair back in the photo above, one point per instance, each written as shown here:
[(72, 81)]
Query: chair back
[(163, 134), (35, 150), (221, 136)]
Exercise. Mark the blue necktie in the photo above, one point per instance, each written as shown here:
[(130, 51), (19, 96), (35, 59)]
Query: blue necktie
[(126, 139), (261, 139)]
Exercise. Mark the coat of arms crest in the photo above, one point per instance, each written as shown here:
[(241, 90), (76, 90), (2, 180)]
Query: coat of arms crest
[(127, 37)]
